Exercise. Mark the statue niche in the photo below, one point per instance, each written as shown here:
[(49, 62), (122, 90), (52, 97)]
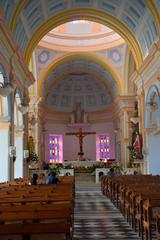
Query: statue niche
[(78, 115)]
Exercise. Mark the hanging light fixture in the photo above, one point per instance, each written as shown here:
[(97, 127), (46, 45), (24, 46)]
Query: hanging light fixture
[(23, 108), (134, 120), (6, 88)]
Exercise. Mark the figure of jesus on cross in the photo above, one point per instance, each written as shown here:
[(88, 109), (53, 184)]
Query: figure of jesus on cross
[(80, 135)]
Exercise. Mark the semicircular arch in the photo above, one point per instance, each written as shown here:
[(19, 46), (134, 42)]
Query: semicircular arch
[(85, 56), (91, 73), (91, 15)]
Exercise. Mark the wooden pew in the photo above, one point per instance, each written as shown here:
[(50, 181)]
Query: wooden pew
[(129, 192), (36, 222), (150, 210), (158, 225), (38, 209)]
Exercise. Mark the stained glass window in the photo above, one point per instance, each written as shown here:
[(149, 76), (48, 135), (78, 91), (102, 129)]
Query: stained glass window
[(103, 147), (55, 149)]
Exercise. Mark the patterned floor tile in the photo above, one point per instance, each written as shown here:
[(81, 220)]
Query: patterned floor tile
[(97, 218)]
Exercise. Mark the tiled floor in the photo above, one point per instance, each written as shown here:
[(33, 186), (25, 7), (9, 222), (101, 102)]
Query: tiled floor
[(96, 217)]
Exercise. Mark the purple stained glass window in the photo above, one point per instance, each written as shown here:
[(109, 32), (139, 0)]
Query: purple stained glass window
[(55, 149), (103, 147)]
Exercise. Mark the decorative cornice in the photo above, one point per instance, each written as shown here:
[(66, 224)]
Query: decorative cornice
[(124, 104), (149, 70), (88, 48), (90, 36)]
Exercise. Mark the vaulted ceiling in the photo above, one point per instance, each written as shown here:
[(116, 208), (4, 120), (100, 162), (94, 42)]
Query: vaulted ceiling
[(49, 24), (81, 35), (79, 81), (137, 21)]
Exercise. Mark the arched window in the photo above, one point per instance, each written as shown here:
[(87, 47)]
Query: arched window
[(152, 107)]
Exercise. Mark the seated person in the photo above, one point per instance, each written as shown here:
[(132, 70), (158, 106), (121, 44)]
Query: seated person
[(51, 179), (67, 174), (34, 179), (111, 172)]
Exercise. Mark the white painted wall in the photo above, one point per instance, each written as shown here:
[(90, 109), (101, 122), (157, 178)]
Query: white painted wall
[(153, 155), (4, 156)]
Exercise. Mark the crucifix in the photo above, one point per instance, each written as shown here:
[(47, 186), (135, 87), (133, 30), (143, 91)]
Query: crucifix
[(80, 135)]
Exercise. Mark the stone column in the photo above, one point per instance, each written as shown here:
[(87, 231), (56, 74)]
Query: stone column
[(124, 136), (19, 143), (11, 141), (141, 107), (25, 146), (126, 108), (4, 154), (41, 135)]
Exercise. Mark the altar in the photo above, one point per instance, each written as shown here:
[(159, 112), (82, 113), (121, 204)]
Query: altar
[(78, 163)]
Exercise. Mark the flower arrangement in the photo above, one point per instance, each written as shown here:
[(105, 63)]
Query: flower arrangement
[(118, 169), (54, 168), (133, 154)]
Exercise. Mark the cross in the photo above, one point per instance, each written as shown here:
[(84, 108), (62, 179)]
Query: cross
[(80, 135)]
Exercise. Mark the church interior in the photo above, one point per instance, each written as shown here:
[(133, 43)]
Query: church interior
[(80, 89)]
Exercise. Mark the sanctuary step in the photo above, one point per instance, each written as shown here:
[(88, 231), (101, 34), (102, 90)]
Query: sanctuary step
[(86, 181)]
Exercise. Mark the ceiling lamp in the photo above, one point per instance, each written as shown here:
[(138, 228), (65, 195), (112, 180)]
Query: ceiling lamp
[(23, 108), (6, 88), (134, 120)]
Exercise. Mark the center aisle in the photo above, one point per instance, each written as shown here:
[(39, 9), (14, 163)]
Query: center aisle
[(96, 217)]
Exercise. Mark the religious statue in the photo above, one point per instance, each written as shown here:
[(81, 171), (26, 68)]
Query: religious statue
[(85, 117), (138, 145), (80, 135), (135, 149), (78, 115), (72, 117)]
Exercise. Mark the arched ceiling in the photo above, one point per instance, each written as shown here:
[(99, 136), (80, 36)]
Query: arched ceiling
[(79, 80), (136, 21), (78, 87), (82, 35)]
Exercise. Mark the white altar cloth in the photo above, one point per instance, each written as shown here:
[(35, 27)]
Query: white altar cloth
[(78, 163)]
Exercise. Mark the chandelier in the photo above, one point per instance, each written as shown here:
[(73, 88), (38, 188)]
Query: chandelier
[(6, 88), (23, 108)]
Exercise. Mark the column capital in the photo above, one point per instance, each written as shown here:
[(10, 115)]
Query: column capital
[(19, 130), (4, 123)]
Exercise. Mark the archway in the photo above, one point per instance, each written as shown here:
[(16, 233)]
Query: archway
[(91, 15), (85, 57), (152, 124)]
